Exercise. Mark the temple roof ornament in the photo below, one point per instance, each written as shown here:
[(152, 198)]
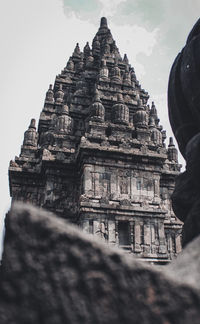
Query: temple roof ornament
[(141, 116), (153, 113), (87, 49), (127, 78), (89, 60), (70, 65), (104, 70), (77, 51), (172, 151), (63, 123), (156, 135), (59, 94), (125, 59), (97, 110), (30, 136), (120, 111), (116, 74), (50, 94), (103, 23), (96, 46)]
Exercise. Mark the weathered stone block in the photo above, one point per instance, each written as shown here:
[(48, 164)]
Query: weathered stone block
[(53, 273)]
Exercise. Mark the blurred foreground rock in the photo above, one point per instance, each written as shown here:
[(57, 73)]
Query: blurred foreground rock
[(52, 273), (184, 115)]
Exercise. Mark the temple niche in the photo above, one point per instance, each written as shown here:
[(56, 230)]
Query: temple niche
[(98, 157)]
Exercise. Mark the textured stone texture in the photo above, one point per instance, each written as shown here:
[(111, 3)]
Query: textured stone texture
[(53, 273), (98, 157)]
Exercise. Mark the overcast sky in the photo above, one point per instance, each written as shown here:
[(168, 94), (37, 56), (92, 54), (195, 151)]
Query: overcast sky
[(38, 36)]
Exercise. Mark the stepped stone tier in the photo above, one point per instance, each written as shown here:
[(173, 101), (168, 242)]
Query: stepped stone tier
[(98, 157)]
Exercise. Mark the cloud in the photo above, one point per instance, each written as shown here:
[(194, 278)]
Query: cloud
[(91, 9), (109, 8), (149, 13), (83, 9)]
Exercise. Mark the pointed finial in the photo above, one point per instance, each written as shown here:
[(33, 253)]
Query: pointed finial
[(171, 143), (50, 94), (103, 22), (153, 111), (32, 123), (87, 49), (125, 59), (30, 136), (96, 96), (77, 50)]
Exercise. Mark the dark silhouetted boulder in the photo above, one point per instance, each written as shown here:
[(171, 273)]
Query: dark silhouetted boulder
[(184, 91), (52, 273)]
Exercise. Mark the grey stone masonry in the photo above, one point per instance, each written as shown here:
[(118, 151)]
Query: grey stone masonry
[(98, 157)]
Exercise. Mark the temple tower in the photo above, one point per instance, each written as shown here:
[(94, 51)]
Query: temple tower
[(98, 157)]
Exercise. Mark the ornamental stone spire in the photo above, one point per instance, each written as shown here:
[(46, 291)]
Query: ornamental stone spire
[(98, 158)]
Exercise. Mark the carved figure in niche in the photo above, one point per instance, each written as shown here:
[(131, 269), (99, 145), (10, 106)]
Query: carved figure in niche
[(104, 180), (102, 231), (123, 185)]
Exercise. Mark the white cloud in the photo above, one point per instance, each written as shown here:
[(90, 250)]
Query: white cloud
[(109, 8)]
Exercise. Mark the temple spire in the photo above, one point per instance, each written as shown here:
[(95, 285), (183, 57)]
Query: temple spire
[(103, 22)]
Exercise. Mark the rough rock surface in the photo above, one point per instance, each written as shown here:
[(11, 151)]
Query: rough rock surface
[(184, 114), (185, 199), (53, 273)]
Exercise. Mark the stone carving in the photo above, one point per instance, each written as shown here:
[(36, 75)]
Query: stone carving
[(63, 123), (30, 136), (59, 95), (97, 109), (95, 150), (50, 94), (120, 111), (140, 117), (156, 135)]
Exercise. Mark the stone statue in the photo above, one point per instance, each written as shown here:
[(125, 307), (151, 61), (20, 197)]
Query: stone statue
[(184, 114)]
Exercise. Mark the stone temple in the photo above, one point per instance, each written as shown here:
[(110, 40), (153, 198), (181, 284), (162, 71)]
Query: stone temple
[(98, 157)]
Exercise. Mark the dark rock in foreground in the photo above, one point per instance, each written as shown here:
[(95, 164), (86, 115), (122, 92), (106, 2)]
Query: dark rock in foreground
[(53, 273)]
